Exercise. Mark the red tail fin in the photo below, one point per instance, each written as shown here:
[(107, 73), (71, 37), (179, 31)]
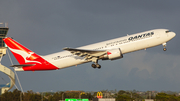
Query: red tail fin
[(26, 57), (21, 53)]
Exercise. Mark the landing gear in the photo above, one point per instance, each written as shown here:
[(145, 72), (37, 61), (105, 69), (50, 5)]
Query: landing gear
[(164, 49), (93, 65), (96, 65), (164, 45)]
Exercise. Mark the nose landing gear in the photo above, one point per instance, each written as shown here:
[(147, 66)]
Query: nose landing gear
[(164, 49), (164, 45)]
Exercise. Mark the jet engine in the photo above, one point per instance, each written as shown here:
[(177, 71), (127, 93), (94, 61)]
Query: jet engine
[(112, 54)]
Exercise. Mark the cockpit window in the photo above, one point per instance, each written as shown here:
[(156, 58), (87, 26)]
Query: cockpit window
[(167, 31)]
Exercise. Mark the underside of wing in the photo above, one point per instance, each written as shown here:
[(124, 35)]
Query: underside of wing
[(95, 55), (87, 53)]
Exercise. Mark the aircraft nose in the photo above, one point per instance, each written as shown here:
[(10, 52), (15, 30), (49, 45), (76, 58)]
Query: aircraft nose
[(173, 34)]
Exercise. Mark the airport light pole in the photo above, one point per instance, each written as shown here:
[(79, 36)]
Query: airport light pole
[(20, 96), (62, 95), (131, 95), (42, 96)]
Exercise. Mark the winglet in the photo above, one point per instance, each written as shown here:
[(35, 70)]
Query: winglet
[(66, 48)]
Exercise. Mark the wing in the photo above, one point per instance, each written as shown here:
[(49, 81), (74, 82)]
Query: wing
[(88, 54)]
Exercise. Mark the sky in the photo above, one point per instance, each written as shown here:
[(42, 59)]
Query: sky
[(48, 26)]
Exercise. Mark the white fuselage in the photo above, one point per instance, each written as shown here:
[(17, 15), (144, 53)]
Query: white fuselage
[(129, 43)]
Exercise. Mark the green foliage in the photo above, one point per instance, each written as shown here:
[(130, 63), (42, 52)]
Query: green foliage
[(128, 96), (87, 96), (15, 96), (122, 92), (124, 98), (167, 97), (11, 96), (49, 96), (56, 96), (31, 96)]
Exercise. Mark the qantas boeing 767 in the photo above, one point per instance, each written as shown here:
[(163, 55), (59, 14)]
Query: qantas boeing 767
[(106, 50)]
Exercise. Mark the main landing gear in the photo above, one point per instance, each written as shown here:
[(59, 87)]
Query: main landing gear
[(164, 45), (96, 65)]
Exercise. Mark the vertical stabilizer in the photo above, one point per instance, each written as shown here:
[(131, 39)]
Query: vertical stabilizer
[(21, 53), (27, 59)]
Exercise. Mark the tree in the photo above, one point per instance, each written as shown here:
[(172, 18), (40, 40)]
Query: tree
[(87, 96), (124, 98), (11, 96), (122, 92), (166, 97), (126, 95), (57, 96)]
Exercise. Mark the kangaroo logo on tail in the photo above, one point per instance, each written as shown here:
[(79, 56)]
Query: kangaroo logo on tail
[(22, 54), (28, 60), (27, 56)]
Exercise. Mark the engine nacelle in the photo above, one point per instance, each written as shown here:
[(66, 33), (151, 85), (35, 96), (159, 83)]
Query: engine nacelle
[(113, 54)]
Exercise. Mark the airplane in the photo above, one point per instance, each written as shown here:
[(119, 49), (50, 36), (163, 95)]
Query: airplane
[(107, 50)]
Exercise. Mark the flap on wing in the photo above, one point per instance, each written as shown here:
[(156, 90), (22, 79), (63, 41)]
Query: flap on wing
[(23, 65), (83, 52)]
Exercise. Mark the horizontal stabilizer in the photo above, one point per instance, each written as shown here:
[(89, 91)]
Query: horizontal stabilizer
[(23, 65)]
